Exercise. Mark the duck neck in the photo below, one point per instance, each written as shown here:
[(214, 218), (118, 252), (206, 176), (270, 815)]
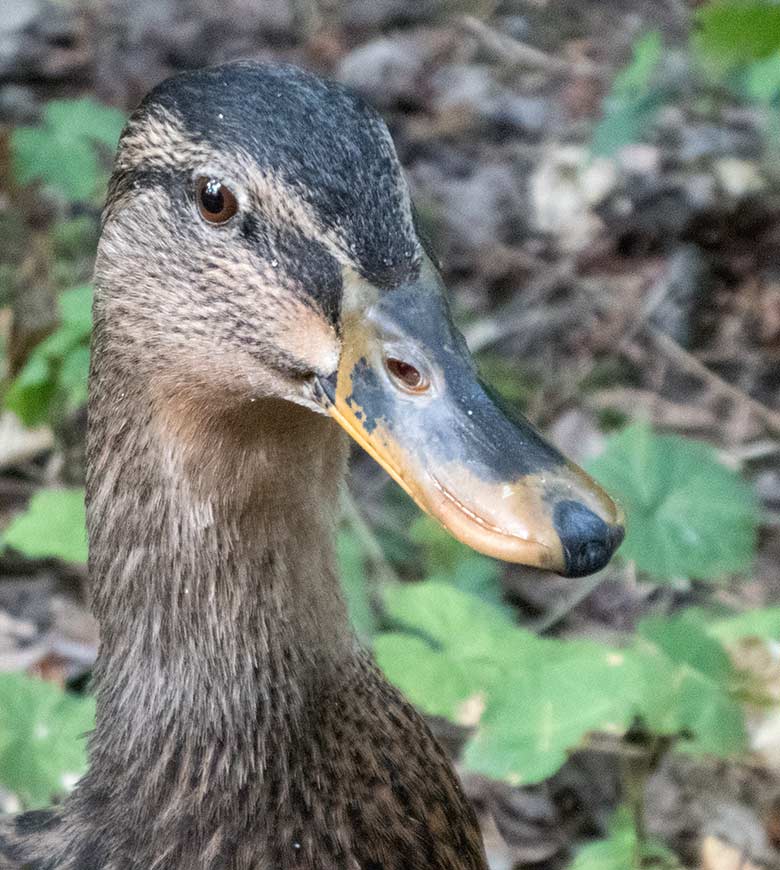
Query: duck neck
[(211, 565)]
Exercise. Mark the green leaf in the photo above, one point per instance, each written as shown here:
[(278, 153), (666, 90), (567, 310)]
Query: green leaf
[(440, 685), (633, 102), (626, 122), (622, 850), (554, 694), (762, 80), (441, 552), (732, 33), (39, 155), (54, 525), (41, 738), (531, 700), (701, 704), (478, 575), (61, 152), (74, 238), (54, 347), (754, 623), (449, 618), (686, 642), (353, 582), (453, 642), (638, 75), (34, 373), (447, 560), (687, 515), (72, 378), (76, 309), (616, 852), (86, 119), (55, 374), (30, 394)]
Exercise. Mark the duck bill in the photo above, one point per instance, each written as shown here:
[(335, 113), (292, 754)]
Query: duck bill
[(407, 390)]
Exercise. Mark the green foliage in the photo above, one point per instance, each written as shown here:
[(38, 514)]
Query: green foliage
[(638, 75), (693, 689), (532, 699), (736, 44), (41, 746), (764, 624), (761, 80), (54, 378), (688, 515), (446, 560), (443, 651), (514, 385), (352, 565), (62, 152), (54, 525), (736, 32), (622, 850), (633, 101)]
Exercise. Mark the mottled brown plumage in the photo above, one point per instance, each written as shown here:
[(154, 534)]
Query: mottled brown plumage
[(239, 724)]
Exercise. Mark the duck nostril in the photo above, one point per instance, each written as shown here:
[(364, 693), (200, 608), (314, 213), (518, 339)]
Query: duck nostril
[(407, 376)]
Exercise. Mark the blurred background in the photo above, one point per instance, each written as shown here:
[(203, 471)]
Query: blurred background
[(601, 180)]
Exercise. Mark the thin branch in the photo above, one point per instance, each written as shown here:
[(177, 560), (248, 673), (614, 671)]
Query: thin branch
[(383, 570), (511, 51), (584, 588), (693, 366)]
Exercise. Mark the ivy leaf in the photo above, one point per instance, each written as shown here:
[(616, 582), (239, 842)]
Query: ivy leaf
[(687, 514), (41, 747), (54, 525)]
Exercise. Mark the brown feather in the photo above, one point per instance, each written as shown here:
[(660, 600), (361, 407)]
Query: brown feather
[(240, 726)]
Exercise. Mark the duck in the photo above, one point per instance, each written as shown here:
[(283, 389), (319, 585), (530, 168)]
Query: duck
[(262, 291)]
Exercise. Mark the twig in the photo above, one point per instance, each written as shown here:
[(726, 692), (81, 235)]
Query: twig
[(693, 366), (582, 591), (383, 570), (511, 51)]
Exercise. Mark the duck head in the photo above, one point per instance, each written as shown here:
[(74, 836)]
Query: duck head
[(299, 274)]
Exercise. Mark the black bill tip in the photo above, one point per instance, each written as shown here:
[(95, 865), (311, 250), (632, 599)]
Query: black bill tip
[(588, 542)]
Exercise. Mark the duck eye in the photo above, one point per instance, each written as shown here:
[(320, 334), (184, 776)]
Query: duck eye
[(409, 378), (216, 203)]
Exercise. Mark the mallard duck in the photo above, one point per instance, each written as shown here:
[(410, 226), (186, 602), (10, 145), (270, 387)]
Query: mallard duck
[(261, 286)]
